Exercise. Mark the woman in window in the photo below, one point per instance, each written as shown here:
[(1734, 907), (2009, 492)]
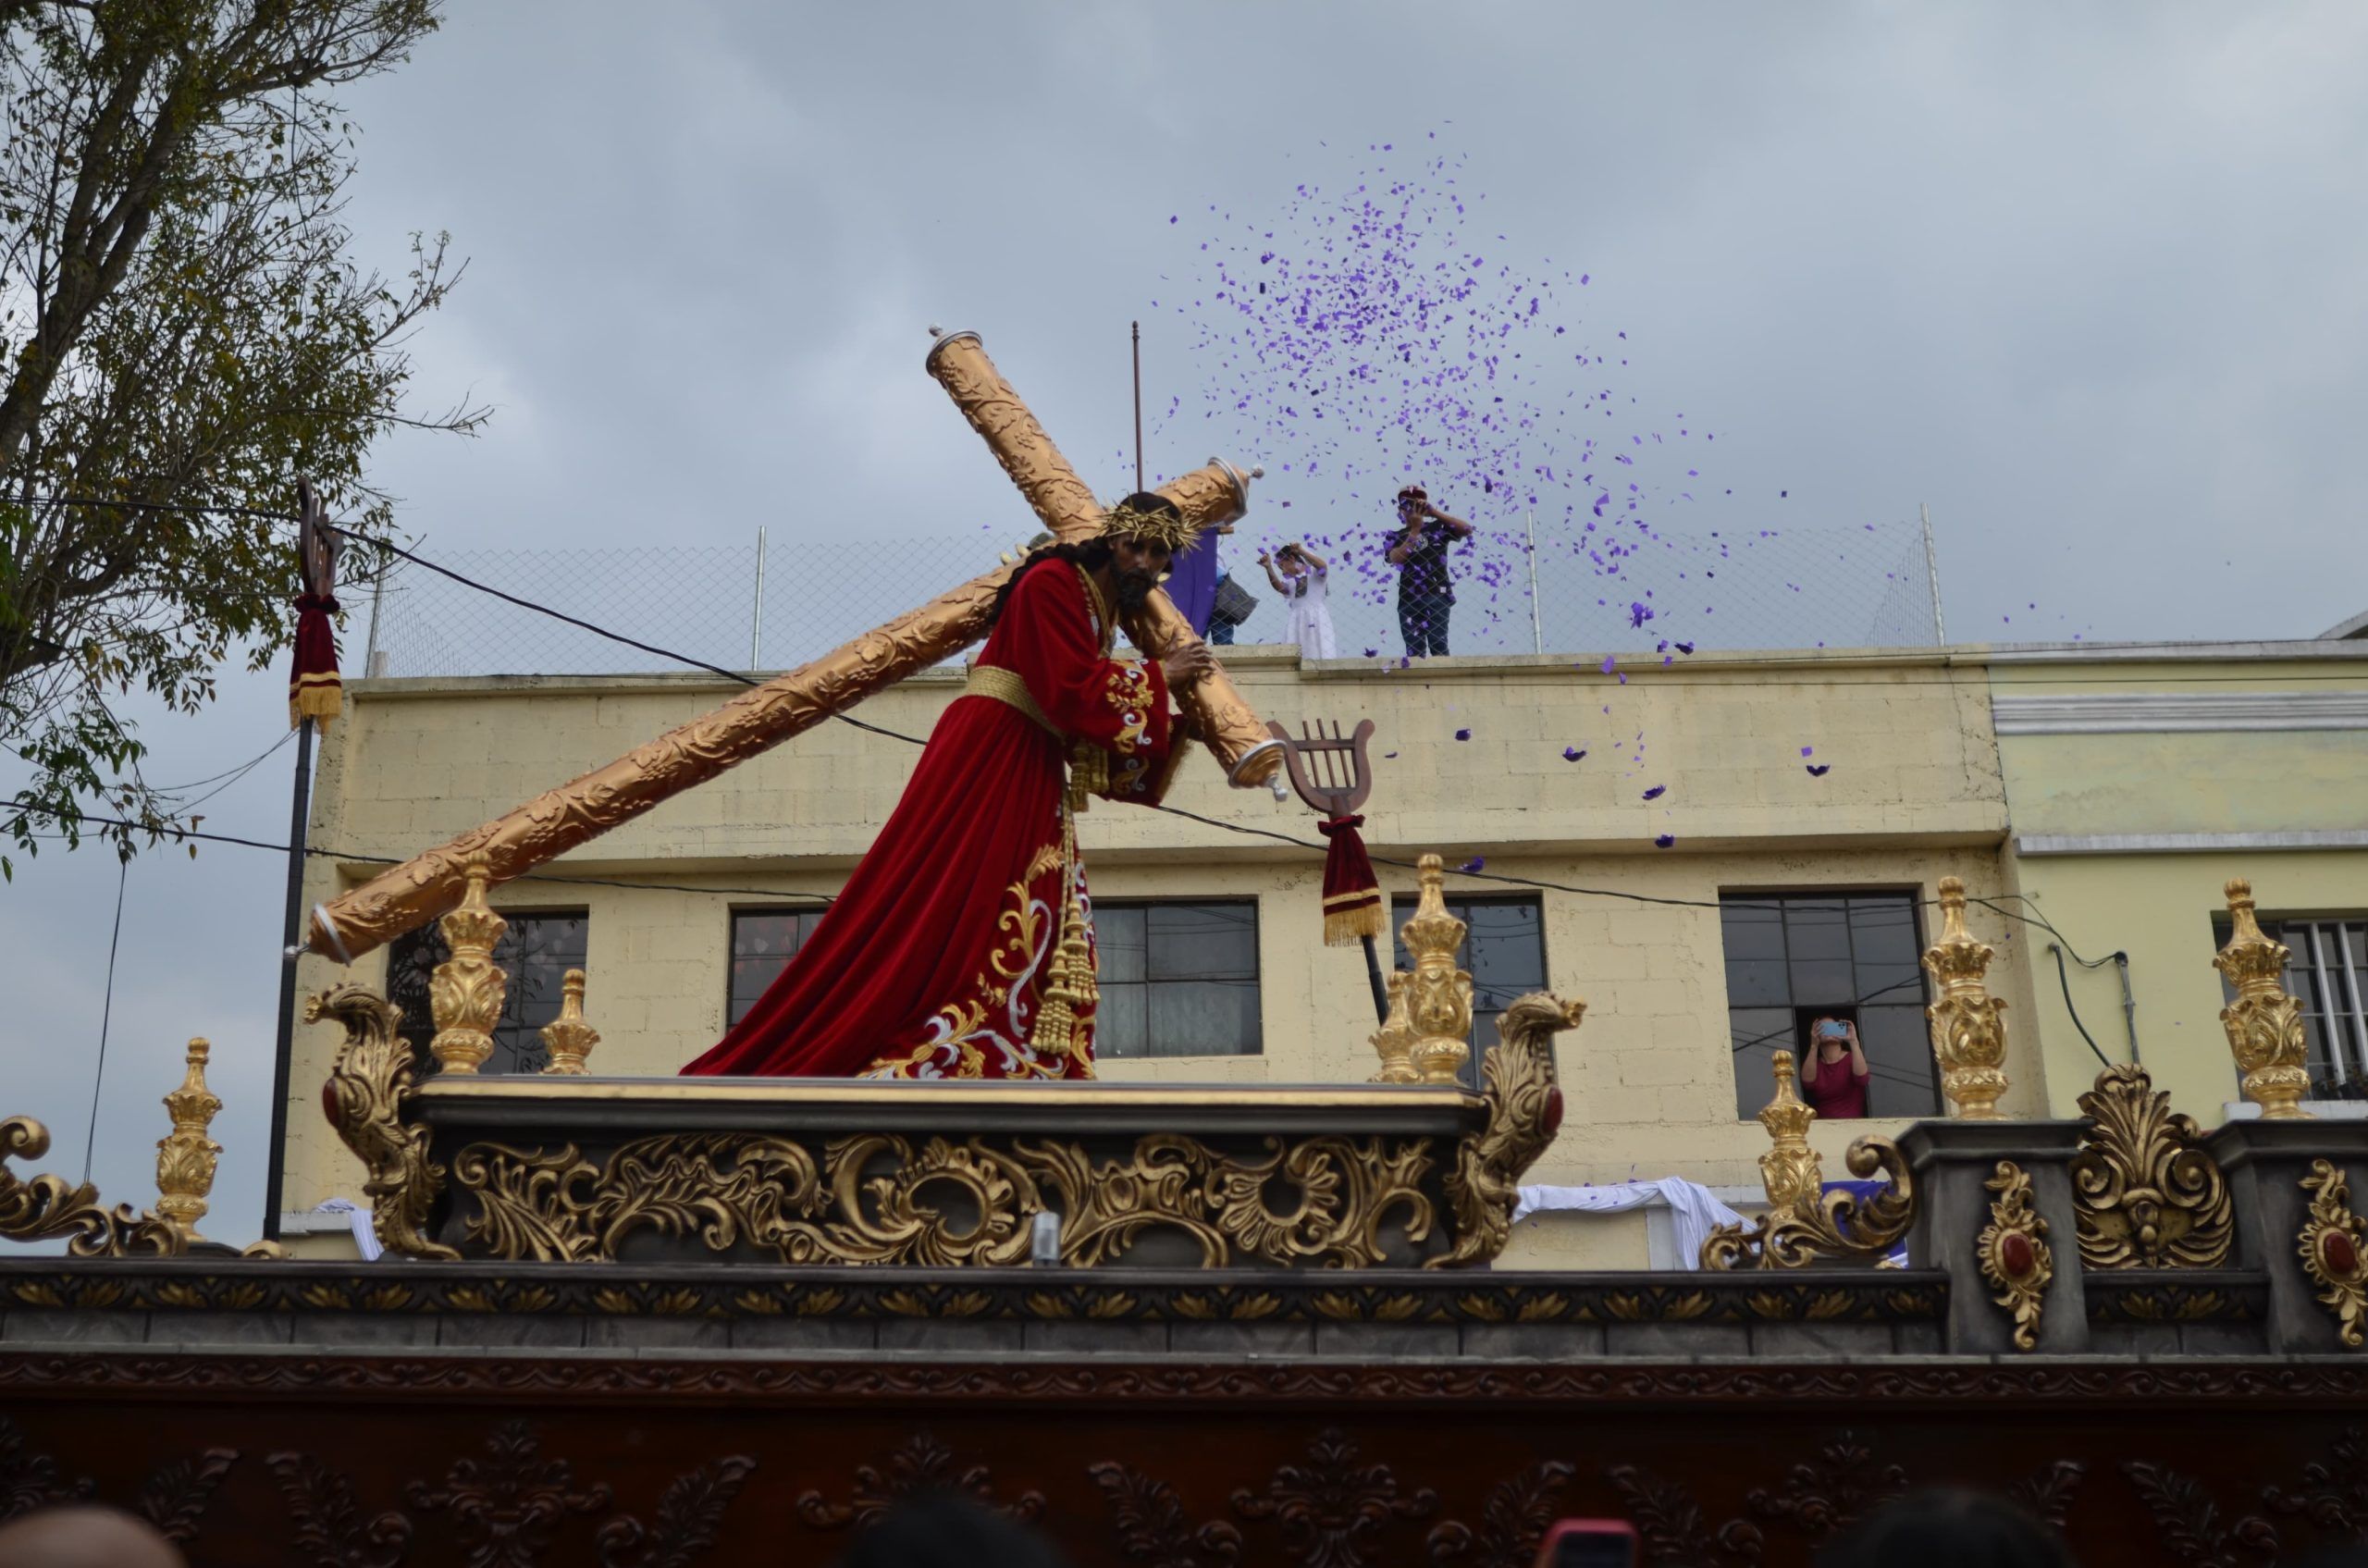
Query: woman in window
[(1833, 1076), (1302, 583)]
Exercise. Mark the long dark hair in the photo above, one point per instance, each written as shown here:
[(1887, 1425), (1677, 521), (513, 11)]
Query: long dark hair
[(1092, 554)]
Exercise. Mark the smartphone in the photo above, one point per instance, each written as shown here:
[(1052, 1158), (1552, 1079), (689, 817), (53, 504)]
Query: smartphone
[(1831, 1030), (1588, 1543)]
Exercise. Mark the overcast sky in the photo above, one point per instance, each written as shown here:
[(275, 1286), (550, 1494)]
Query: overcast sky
[(2092, 282)]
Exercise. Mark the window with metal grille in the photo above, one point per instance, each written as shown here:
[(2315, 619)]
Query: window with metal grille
[(763, 941), (1792, 958), (537, 951), (2328, 972), (1177, 979), (1505, 952)]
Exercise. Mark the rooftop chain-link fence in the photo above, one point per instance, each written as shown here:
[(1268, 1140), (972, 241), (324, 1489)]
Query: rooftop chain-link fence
[(1789, 589)]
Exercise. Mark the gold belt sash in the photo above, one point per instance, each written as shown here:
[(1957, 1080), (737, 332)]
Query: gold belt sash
[(1006, 686)]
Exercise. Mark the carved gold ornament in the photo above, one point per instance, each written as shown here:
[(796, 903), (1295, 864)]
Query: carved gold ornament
[(2014, 1251), (1968, 1035), (2331, 1247), (466, 992), (1805, 1222), (877, 1199), (1394, 1041), (567, 1037), (367, 1086), (1438, 994), (2144, 1192), (186, 1157), (406, 896), (2264, 1024), (44, 1208), (1525, 1112)]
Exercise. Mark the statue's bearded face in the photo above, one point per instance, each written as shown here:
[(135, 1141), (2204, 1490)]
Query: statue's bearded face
[(1140, 568)]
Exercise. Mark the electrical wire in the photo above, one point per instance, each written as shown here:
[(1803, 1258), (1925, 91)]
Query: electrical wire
[(106, 1018), (2064, 978)]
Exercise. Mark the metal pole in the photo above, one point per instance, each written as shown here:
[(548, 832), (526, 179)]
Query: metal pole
[(1373, 973), (292, 943), (1529, 532), (1136, 332), (377, 592), (757, 619), (1933, 574)]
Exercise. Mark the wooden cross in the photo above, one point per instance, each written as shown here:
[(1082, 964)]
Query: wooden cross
[(558, 820)]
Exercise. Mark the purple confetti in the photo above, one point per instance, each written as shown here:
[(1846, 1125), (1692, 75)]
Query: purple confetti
[(1477, 862), (1572, 754), (1808, 751), (1655, 792), (1666, 841), (1464, 735), (1819, 770)]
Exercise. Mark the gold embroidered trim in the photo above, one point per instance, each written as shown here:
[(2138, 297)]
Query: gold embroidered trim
[(1006, 686), (1105, 624)]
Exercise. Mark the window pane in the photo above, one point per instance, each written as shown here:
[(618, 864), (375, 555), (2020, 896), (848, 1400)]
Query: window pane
[(1856, 951), (1203, 1019), (762, 943), (1119, 943), (1178, 979), (1757, 981), (1201, 941)]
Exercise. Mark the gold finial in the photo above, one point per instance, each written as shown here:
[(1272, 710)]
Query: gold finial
[(2264, 1024), (464, 994), (1791, 1171), (1069, 992), (1969, 1036), (186, 1157), (1438, 994), (568, 1037), (1394, 1041)]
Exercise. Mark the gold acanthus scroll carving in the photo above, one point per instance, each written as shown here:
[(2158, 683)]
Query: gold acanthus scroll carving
[(409, 896), (1525, 1111), (1438, 993), (2015, 1258), (2145, 1195), (877, 1198), (368, 1085), (1968, 1035), (2334, 1244), (1804, 1222), (2264, 1023)]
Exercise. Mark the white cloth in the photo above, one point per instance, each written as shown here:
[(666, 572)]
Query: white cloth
[(1693, 1209), (365, 1234), (1311, 617)]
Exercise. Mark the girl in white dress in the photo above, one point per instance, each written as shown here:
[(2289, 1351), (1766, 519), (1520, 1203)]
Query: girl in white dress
[(1300, 581)]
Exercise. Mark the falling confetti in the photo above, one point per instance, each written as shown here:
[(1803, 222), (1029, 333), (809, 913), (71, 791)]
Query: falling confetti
[(1655, 792), (1665, 841), (1819, 770), (1572, 754), (1476, 863), (1464, 735)]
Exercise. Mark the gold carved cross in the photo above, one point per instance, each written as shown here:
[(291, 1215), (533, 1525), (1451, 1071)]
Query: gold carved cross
[(558, 820)]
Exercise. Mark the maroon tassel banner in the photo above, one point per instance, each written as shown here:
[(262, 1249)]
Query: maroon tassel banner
[(315, 689), (1352, 908)]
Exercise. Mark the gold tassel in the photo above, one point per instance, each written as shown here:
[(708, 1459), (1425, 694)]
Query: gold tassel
[(1346, 928)]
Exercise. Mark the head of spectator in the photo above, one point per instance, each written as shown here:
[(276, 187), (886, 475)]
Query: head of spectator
[(1949, 1527), (1412, 501), (85, 1537), (943, 1530)]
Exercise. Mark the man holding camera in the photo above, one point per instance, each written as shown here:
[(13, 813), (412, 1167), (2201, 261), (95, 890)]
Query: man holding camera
[(1426, 592)]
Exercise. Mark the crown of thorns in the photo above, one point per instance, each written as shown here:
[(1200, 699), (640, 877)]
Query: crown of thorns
[(1146, 526)]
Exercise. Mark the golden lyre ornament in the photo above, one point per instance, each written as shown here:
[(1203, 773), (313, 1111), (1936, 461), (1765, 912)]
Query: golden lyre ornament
[(1394, 1041), (2264, 1024), (1805, 1222), (1968, 1035), (2013, 1250), (2331, 1245), (403, 898), (1438, 994), (2145, 1192), (567, 1037), (186, 1157), (464, 994)]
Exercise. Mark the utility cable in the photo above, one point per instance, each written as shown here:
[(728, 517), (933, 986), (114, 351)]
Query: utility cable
[(106, 1017), (2064, 978)]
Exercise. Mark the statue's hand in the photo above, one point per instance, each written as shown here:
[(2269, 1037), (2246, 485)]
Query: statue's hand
[(1186, 663)]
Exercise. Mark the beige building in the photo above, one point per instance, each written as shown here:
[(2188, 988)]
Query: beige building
[(1781, 892), (2139, 780)]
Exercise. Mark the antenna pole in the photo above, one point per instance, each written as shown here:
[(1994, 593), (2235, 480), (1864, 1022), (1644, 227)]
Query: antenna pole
[(1135, 330)]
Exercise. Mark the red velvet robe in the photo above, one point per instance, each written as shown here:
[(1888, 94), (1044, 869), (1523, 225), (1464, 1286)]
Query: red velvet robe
[(931, 962)]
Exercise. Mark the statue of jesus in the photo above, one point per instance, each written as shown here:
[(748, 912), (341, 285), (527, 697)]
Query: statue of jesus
[(943, 957)]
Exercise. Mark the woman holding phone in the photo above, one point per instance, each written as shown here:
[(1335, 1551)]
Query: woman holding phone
[(1834, 1073)]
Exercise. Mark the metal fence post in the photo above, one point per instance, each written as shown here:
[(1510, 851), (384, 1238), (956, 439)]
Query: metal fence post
[(757, 618), (1932, 575)]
